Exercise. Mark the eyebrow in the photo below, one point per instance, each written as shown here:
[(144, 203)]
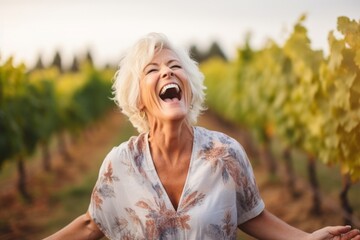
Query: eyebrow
[(155, 64)]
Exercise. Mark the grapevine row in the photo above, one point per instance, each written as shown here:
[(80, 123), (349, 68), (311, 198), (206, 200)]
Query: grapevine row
[(39, 104), (296, 94)]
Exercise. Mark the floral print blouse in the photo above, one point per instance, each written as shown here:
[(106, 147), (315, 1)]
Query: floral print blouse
[(129, 201)]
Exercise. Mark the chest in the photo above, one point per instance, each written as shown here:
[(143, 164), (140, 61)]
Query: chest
[(202, 204), (173, 178)]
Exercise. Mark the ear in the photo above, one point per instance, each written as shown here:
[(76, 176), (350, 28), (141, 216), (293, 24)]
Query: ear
[(140, 105)]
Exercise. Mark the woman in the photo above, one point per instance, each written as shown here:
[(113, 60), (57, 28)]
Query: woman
[(175, 180)]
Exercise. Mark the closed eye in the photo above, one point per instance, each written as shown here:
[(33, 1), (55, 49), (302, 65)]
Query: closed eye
[(175, 67), (151, 70)]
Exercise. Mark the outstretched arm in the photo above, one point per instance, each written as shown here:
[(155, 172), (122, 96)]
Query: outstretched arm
[(268, 226), (82, 227)]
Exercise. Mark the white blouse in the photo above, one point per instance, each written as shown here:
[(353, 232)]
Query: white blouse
[(129, 201)]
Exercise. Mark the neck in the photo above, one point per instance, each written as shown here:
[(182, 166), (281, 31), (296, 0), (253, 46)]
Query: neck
[(170, 140)]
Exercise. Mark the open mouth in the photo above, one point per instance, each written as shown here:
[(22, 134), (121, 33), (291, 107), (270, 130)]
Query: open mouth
[(170, 92)]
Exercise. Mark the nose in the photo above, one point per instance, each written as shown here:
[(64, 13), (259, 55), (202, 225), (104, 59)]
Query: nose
[(167, 72)]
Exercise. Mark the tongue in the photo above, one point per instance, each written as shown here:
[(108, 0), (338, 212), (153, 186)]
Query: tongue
[(170, 94), (170, 99)]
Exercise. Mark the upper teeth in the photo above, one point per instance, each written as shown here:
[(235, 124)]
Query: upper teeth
[(171, 85)]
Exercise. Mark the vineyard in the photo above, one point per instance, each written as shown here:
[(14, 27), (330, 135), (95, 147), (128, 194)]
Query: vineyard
[(296, 97), (292, 103), (36, 105)]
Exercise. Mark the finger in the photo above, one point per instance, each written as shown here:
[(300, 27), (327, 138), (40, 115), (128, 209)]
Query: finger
[(337, 230), (353, 234)]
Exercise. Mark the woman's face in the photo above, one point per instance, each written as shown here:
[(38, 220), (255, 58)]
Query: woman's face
[(165, 92)]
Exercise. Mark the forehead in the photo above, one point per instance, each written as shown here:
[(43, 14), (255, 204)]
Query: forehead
[(164, 55)]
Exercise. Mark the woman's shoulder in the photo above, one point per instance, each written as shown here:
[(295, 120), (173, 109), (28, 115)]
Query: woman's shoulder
[(209, 138), (133, 144), (211, 135)]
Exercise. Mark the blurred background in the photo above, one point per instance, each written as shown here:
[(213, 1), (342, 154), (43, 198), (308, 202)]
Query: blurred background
[(30, 29), (283, 78)]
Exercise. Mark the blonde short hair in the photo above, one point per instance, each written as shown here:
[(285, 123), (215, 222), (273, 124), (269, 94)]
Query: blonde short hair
[(126, 86)]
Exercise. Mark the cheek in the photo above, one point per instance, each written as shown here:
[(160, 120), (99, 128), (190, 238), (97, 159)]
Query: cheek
[(148, 98), (146, 84)]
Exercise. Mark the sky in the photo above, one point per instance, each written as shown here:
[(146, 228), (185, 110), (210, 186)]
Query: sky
[(33, 28)]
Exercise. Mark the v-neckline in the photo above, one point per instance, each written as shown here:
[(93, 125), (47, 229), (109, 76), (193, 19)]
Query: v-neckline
[(151, 164)]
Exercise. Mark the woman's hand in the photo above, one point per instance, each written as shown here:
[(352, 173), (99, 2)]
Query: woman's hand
[(336, 233), (268, 226)]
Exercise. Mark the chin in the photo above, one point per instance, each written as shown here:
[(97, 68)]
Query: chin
[(176, 116)]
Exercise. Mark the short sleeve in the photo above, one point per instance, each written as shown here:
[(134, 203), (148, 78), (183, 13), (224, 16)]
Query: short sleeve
[(100, 208), (248, 200)]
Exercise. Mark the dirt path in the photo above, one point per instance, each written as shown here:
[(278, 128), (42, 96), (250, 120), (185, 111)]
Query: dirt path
[(19, 220)]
